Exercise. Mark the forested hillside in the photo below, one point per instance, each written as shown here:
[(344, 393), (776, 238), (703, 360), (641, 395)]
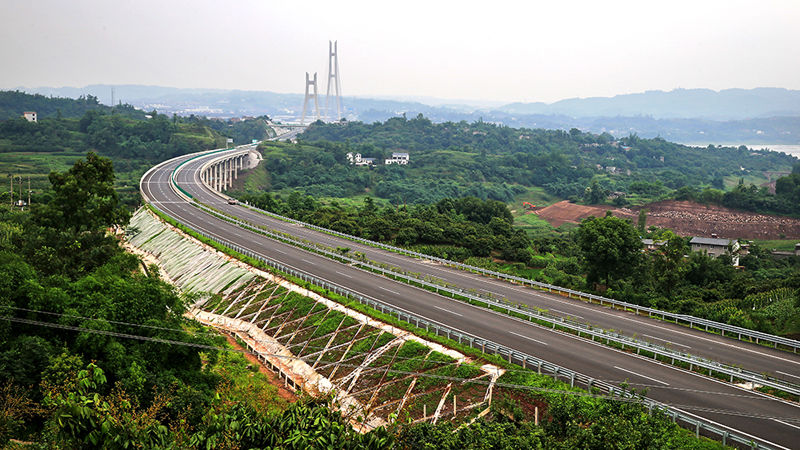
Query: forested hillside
[(434, 205), (785, 199), (14, 103), (497, 162), (134, 140)]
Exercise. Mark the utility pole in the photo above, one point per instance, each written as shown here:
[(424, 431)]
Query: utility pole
[(29, 191), (11, 192), (333, 76)]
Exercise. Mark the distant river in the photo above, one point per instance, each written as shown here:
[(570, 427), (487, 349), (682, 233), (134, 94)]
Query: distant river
[(793, 150)]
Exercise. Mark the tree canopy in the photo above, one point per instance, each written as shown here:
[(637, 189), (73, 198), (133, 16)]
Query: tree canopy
[(611, 247), (84, 197)]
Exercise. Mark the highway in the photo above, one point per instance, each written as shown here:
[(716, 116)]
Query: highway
[(758, 358), (768, 419)]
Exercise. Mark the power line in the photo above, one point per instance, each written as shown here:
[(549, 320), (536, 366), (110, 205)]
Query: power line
[(154, 327), (631, 399), (401, 358)]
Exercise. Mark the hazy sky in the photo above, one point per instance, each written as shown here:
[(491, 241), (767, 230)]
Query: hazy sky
[(489, 50)]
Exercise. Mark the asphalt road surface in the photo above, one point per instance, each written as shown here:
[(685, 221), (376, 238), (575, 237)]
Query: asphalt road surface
[(760, 359), (771, 420)]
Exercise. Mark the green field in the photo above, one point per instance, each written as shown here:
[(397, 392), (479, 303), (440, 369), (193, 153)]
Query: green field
[(784, 245), (752, 178), (38, 166), (34, 165), (533, 194)]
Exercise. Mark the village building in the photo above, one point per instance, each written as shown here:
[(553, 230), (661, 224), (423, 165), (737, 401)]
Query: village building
[(30, 116), (716, 247), (357, 160), (650, 244), (398, 158)]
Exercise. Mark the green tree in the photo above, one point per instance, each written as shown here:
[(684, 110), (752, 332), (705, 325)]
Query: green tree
[(668, 265), (610, 246), (84, 197), (641, 223), (595, 194)]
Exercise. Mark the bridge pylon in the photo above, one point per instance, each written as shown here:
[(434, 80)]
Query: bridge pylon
[(309, 96), (333, 77)]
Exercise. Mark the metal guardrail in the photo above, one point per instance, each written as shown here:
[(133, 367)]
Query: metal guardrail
[(725, 329), (552, 320), (728, 436)]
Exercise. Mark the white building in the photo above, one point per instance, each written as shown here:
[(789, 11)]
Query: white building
[(357, 160), (398, 158), (30, 116)]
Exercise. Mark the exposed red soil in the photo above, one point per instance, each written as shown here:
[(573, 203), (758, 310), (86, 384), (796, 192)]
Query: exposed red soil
[(686, 219)]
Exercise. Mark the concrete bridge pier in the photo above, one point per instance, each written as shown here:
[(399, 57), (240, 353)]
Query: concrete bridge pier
[(219, 174)]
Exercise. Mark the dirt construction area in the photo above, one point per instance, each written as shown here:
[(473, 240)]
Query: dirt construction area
[(685, 218)]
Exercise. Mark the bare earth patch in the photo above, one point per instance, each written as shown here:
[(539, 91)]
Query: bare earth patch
[(685, 218)]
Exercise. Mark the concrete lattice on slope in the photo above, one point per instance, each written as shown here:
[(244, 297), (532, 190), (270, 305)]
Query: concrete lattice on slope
[(375, 370)]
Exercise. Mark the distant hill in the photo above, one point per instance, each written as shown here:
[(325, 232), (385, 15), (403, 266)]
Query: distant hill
[(733, 116), (728, 104), (14, 103)]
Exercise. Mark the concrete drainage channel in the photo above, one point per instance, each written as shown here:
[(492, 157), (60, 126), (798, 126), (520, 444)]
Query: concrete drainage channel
[(374, 371)]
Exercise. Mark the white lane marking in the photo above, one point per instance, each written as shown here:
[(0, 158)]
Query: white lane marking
[(664, 340), (742, 433), (572, 303), (566, 313), (305, 260), (389, 290), (344, 274), (279, 251), (693, 336), (447, 310), (787, 374), (787, 424), (754, 438), (529, 338), (640, 375)]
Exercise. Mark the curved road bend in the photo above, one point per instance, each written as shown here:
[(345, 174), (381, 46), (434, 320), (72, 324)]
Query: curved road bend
[(779, 364), (760, 416)]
